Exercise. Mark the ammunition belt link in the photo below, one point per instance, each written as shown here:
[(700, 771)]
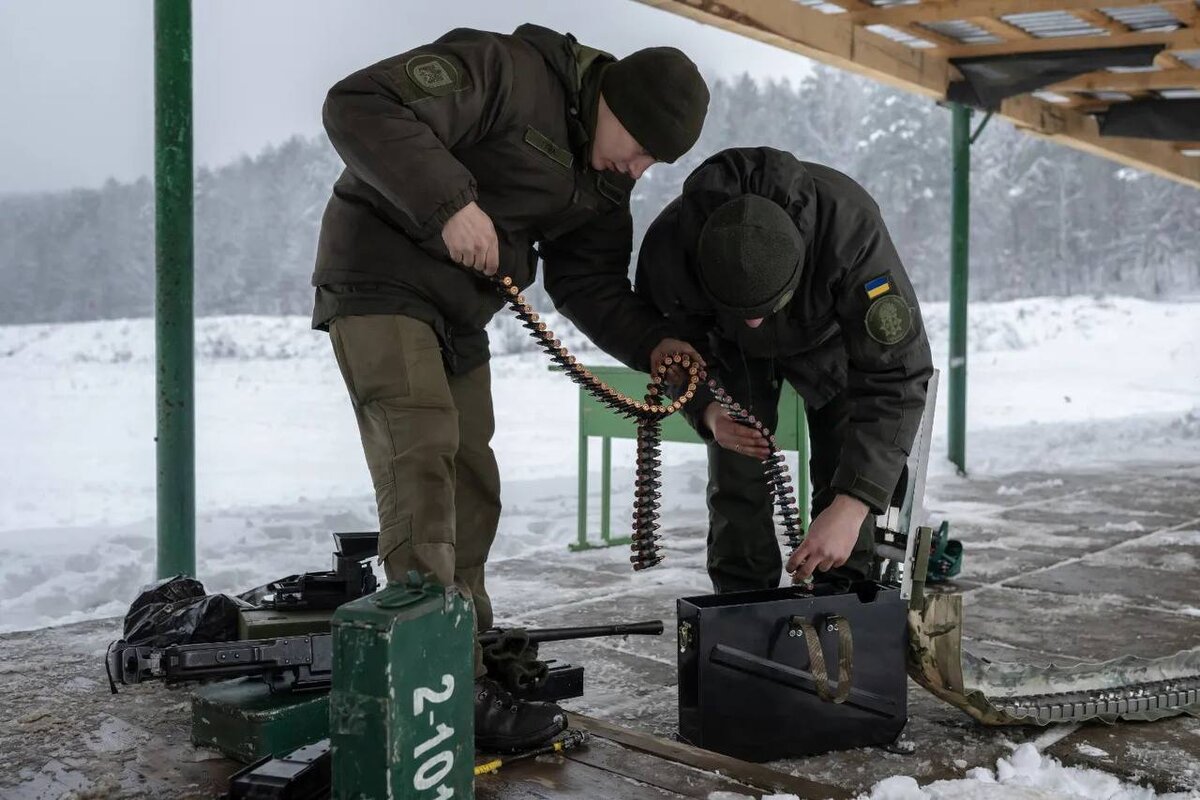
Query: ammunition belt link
[(649, 413)]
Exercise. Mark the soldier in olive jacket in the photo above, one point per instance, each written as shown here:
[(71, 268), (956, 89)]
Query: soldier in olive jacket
[(778, 269), (461, 155)]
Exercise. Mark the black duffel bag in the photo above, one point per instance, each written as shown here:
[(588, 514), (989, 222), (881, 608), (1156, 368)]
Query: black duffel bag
[(792, 672)]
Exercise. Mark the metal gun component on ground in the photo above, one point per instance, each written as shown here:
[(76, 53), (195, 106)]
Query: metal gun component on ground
[(350, 578), (305, 663)]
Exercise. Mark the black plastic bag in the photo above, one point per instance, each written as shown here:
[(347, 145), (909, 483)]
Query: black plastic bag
[(178, 611)]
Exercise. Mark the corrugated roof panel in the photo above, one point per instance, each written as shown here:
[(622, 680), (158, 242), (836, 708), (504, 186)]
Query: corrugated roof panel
[(1142, 18), (965, 32), (822, 6), (902, 37), (1052, 97), (1052, 24)]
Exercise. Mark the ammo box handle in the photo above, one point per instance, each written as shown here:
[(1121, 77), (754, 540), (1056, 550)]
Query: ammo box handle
[(816, 656)]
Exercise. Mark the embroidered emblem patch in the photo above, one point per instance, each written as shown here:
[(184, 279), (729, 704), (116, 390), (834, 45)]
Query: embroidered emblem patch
[(433, 74), (889, 319)]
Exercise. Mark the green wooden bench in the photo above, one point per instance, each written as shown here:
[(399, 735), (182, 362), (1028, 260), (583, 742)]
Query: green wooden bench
[(596, 420)]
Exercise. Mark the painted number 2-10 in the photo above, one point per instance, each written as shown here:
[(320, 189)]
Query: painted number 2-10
[(433, 767)]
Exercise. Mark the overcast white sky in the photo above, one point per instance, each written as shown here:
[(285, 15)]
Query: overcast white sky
[(76, 76)]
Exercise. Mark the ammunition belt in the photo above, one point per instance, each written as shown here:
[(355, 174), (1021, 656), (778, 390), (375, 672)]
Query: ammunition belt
[(648, 414), (1133, 699)]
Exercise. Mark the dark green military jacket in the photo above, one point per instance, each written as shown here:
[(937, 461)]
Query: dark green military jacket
[(502, 120), (852, 325)]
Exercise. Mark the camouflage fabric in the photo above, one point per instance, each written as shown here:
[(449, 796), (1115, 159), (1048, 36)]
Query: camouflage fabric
[(989, 691)]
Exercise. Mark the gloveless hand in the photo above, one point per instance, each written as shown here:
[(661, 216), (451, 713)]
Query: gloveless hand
[(830, 538), (470, 238), (733, 435), (669, 347)]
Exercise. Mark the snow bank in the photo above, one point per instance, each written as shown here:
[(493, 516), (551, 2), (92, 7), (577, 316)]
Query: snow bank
[(1054, 382), (1025, 775)]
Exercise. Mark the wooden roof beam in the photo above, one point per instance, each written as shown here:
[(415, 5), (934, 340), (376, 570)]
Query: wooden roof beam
[(1168, 60), (942, 10), (1183, 39), (830, 38), (1070, 127), (1100, 20), (835, 40), (911, 28), (1105, 81)]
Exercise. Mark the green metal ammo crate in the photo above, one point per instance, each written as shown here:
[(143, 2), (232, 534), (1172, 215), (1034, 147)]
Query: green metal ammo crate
[(401, 710), (246, 721)]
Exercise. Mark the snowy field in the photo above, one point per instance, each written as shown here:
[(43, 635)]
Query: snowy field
[(1054, 382)]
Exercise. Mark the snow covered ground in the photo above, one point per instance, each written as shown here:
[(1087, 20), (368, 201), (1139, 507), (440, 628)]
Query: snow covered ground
[(1026, 775), (1054, 382)]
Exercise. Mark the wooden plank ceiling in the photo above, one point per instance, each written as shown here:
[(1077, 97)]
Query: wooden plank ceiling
[(910, 44)]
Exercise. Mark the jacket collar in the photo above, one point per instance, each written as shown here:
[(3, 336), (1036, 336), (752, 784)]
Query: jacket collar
[(579, 69)]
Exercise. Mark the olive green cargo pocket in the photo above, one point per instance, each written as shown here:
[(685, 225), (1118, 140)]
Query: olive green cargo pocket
[(395, 535), (370, 355)]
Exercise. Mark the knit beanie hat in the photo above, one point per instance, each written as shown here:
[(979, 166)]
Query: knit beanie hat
[(750, 255), (660, 98)]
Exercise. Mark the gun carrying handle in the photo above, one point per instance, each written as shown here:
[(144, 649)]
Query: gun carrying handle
[(816, 656)]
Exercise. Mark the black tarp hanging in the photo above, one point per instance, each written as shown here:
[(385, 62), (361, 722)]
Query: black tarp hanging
[(987, 80), (1172, 120)]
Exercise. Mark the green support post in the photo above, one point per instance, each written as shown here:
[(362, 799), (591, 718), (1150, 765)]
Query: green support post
[(960, 203), (176, 429)]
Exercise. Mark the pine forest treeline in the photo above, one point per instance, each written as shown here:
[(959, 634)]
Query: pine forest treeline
[(1045, 219)]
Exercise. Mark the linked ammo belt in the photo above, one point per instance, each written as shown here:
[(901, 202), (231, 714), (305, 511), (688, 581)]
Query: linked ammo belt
[(649, 413)]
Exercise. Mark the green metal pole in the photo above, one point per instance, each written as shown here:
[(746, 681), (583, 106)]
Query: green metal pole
[(960, 204), (176, 432)]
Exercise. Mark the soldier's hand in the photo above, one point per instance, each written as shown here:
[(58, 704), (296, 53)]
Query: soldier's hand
[(733, 435), (830, 539), (676, 375), (470, 238)]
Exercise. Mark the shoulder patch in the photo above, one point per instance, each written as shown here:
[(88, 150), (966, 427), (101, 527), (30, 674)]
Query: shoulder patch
[(426, 75), (545, 145), (889, 319)]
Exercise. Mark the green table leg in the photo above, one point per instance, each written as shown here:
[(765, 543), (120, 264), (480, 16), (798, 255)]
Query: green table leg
[(582, 543), (605, 488)]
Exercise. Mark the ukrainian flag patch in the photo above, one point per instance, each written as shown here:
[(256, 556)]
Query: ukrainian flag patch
[(878, 286)]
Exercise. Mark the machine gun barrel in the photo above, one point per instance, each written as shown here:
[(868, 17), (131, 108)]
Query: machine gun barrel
[(651, 628)]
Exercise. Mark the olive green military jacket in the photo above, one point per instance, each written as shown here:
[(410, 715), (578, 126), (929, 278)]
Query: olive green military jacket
[(852, 325), (502, 120)]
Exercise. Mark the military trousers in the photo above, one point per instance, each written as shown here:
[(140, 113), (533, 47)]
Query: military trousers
[(427, 439), (745, 551)]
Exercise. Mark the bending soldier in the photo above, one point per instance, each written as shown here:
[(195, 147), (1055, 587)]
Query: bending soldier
[(460, 156), (783, 270)]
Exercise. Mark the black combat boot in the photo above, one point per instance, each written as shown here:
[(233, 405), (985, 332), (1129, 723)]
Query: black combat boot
[(504, 724)]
